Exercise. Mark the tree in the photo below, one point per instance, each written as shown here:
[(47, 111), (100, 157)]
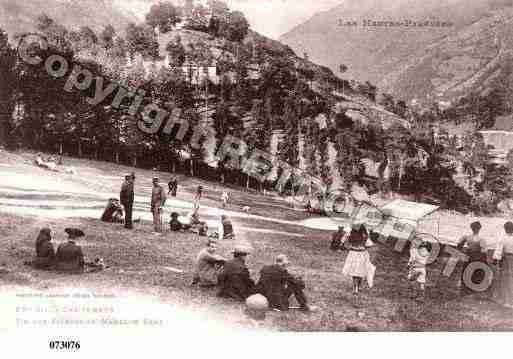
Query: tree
[(235, 27), (44, 22), (107, 36), (176, 52), (141, 39), (163, 16), (367, 89), (397, 144), (8, 88), (88, 37), (387, 101)]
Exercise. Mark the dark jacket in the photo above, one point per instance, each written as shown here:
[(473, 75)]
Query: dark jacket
[(69, 257), (45, 254), (175, 225), (227, 228), (127, 193), (273, 284), (234, 281)]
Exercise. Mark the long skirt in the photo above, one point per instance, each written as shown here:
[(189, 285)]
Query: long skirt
[(502, 292), (358, 264)]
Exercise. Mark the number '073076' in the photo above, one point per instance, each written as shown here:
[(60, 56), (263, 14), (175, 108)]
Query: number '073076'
[(64, 345)]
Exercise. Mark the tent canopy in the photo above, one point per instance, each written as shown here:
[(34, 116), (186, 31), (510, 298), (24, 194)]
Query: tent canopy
[(406, 210)]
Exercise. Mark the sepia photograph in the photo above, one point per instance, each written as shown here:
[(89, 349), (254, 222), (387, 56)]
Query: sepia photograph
[(200, 168)]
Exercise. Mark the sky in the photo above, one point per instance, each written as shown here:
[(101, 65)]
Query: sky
[(274, 18), (271, 18)]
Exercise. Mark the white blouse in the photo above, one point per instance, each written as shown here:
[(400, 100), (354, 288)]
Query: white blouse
[(504, 246)]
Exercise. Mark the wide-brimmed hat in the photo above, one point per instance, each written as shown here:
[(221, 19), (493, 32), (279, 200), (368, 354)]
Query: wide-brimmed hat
[(74, 232), (242, 248), (282, 259)]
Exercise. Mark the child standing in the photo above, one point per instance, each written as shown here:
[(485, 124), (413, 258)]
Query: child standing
[(419, 255), (224, 198), (358, 264)]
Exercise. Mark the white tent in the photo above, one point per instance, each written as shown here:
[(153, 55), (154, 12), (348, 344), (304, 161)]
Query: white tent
[(410, 213)]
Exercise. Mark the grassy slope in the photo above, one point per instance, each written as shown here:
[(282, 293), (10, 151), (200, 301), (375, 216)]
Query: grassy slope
[(137, 259)]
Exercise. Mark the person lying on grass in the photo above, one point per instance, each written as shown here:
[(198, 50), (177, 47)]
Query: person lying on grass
[(208, 266), (234, 280), (277, 285)]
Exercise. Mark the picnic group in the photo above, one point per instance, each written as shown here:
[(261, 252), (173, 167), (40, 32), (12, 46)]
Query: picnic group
[(276, 285)]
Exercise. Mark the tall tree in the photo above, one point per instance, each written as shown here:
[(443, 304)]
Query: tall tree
[(163, 15), (141, 39), (8, 88), (107, 36)]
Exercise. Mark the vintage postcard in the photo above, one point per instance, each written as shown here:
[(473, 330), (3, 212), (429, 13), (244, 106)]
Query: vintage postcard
[(187, 169)]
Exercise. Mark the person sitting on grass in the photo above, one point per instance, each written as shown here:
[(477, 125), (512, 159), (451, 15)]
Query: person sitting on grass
[(234, 280), (174, 223), (45, 253), (419, 255), (69, 257), (226, 228), (277, 285), (208, 266), (113, 212)]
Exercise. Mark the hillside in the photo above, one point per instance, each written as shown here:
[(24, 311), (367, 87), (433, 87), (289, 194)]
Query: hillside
[(412, 62), (18, 16)]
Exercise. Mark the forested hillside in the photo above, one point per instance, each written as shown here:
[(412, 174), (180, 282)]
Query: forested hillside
[(225, 77)]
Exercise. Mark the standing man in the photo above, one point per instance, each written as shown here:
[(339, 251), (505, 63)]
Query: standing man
[(173, 186), (158, 200), (126, 197)]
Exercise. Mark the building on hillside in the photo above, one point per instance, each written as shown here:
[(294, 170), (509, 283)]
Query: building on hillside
[(196, 74), (500, 137)]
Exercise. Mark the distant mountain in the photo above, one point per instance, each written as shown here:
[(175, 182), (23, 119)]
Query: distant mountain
[(18, 16), (425, 63)]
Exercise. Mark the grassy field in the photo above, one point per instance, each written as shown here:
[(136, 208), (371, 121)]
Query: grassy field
[(139, 260)]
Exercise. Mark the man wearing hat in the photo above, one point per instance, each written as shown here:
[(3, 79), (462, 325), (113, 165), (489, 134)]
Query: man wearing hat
[(69, 257), (277, 285), (234, 280), (126, 197), (226, 228), (158, 200)]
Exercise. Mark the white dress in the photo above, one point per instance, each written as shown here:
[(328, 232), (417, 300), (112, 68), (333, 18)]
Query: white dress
[(358, 263)]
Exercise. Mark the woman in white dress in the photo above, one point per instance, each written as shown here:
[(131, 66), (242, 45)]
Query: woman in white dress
[(358, 264)]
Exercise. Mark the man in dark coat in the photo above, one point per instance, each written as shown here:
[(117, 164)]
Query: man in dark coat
[(173, 187), (69, 257), (277, 285), (45, 254), (234, 280), (126, 197)]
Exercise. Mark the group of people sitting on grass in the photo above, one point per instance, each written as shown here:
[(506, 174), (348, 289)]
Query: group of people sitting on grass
[(232, 279), (68, 258)]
